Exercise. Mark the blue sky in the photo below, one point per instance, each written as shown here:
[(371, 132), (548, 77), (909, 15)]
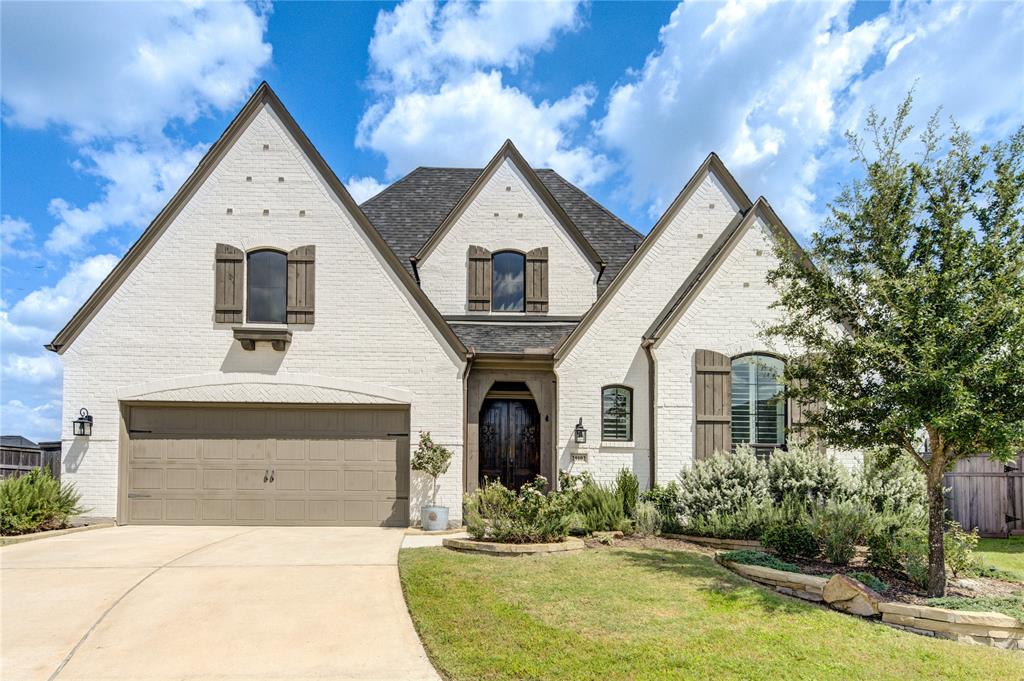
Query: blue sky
[(108, 106)]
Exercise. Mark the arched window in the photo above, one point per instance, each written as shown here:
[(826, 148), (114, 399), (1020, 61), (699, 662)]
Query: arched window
[(617, 413), (508, 281), (267, 280), (758, 401)]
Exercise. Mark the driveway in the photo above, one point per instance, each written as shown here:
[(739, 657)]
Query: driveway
[(208, 603)]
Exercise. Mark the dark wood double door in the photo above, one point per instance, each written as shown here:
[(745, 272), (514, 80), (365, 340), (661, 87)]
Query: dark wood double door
[(509, 442)]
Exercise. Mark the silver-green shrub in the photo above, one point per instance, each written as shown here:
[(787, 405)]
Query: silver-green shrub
[(646, 519), (806, 473), (723, 483)]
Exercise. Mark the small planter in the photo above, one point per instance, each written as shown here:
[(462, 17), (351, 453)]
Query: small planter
[(434, 518)]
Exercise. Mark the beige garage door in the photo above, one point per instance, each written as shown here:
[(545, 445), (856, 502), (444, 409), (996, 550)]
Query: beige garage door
[(267, 466)]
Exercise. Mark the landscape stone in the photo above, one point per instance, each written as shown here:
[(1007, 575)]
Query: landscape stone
[(849, 595)]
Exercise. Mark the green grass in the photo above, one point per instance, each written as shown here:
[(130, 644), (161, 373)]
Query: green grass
[(1003, 554), (653, 614)]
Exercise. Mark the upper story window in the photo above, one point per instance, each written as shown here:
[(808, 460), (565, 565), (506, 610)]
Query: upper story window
[(758, 401), (508, 292), (267, 277), (617, 413)]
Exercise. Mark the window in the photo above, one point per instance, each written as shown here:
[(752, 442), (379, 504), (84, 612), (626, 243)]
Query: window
[(617, 413), (758, 401), (267, 276), (508, 279)]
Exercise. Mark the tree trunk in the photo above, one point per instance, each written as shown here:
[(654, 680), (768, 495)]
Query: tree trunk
[(936, 527)]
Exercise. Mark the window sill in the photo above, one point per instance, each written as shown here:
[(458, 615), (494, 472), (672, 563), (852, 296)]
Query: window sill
[(618, 443), (278, 335)]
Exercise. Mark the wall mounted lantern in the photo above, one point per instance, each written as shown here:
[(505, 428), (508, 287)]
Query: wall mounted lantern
[(82, 426), (580, 433)]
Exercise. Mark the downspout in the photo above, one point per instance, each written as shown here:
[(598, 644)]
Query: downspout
[(415, 271), (652, 375), (470, 356), (554, 432)]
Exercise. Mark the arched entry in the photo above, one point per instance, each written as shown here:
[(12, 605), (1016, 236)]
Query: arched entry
[(509, 436)]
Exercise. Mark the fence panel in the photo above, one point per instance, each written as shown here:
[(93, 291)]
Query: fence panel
[(16, 462), (987, 495)]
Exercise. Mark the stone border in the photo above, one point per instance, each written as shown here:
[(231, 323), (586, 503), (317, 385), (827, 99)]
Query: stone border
[(32, 536), (716, 543), (568, 545), (807, 587)]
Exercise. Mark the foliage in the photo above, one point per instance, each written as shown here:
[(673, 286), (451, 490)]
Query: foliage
[(870, 581), (838, 527), (910, 547), (627, 488), (890, 483), (646, 519), (497, 513), (881, 536), (723, 483), (750, 557), (788, 533), (959, 549), (666, 499), (432, 459), (601, 509), (1012, 605), (805, 472), (1003, 556), (912, 317), (747, 522), (36, 501)]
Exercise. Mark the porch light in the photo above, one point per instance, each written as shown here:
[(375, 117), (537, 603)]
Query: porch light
[(83, 424), (580, 433)]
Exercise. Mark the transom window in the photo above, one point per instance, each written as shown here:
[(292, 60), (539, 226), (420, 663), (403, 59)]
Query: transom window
[(508, 281), (758, 401), (267, 278), (617, 413)]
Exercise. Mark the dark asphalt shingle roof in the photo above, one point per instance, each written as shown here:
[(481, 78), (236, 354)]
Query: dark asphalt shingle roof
[(17, 441), (511, 337), (408, 212)]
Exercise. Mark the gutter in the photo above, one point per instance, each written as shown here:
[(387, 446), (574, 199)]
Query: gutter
[(415, 270), (470, 356), (652, 375)]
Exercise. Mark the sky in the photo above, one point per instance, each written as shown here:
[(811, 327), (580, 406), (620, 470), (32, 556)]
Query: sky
[(107, 107)]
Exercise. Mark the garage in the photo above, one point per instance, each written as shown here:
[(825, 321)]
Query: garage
[(265, 465)]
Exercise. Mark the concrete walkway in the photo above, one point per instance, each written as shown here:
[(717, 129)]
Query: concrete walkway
[(208, 603)]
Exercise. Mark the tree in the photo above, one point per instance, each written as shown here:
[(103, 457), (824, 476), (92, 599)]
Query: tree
[(432, 459), (910, 306)]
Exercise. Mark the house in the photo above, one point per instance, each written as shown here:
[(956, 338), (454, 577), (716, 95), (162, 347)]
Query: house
[(269, 350), (19, 455)]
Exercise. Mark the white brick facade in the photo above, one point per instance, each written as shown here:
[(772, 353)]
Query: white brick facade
[(508, 215)]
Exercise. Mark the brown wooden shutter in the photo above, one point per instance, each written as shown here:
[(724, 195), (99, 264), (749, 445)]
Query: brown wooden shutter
[(230, 284), (537, 280), (713, 388), (301, 284), (478, 279)]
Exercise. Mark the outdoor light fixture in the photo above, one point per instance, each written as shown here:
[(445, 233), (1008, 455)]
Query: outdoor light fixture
[(580, 433), (83, 424)]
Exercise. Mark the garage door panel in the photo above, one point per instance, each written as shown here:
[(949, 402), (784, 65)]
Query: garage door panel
[(217, 510), (252, 450), (323, 423), (147, 478), (287, 480), (219, 449), (358, 450), (146, 509), (287, 510), (290, 450), (324, 450), (181, 510), (323, 480), (181, 478), (144, 449), (250, 510), (321, 511), (359, 480), (247, 479)]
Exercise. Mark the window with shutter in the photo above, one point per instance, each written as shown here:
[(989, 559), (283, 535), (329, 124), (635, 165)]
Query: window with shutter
[(267, 279), (712, 388), (478, 279), (798, 412), (229, 282), (617, 413), (508, 292), (537, 280), (758, 398), (301, 285)]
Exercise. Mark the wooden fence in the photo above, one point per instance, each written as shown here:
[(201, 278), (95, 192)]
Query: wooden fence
[(987, 495), (16, 461)]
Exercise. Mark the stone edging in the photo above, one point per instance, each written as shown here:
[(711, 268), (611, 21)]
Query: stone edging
[(569, 545), (22, 538), (716, 543), (985, 628)]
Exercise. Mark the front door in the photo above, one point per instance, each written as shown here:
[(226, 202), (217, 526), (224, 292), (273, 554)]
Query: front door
[(509, 442)]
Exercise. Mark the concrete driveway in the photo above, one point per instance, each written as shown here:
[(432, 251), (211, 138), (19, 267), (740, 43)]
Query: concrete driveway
[(208, 603)]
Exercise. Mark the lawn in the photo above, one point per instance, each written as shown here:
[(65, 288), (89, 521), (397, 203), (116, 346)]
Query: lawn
[(625, 613), (1004, 554)]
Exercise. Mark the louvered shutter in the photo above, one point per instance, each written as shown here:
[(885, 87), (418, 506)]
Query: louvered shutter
[(301, 284), (229, 282), (478, 279), (537, 280), (713, 391)]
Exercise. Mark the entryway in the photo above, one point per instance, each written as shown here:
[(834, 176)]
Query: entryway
[(509, 440)]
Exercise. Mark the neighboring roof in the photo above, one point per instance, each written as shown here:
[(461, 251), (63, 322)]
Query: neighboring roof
[(512, 338), (712, 164), (17, 441), (263, 95)]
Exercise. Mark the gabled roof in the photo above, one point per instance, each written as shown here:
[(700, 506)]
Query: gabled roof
[(707, 266), (17, 442), (517, 338), (712, 164), (263, 95)]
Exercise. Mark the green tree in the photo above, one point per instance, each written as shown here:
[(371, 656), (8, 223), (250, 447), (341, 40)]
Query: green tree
[(912, 315)]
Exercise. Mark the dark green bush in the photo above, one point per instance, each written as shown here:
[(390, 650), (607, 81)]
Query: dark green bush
[(790, 540), (601, 509), (750, 557), (627, 488), (497, 513), (869, 580), (1012, 605), (838, 527), (747, 522), (35, 502), (666, 499)]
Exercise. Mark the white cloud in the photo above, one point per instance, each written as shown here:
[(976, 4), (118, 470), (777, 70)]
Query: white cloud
[(15, 233), (125, 69), (363, 188), (50, 307), (38, 423), (32, 369)]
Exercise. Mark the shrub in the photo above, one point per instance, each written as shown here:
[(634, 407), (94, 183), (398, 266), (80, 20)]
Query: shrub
[(911, 548), (666, 499), (959, 549), (1012, 604), (870, 581), (601, 509), (36, 501), (723, 483), (497, 513), (747, 522), (891, 484), (432, 459), (806, 473), (627, 488), (838, 527), (900, 542), (790, 540), (646, 519), (881, 537), (749, 557)]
